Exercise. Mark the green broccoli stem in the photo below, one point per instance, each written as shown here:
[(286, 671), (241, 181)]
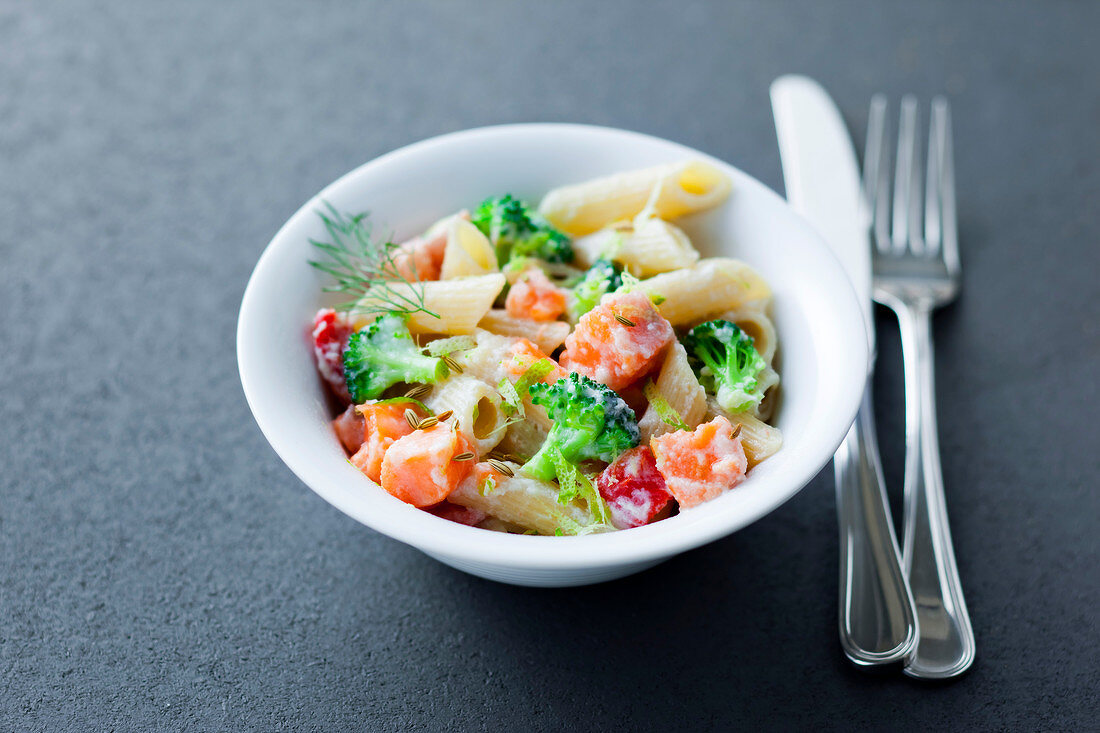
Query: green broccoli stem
[(541, 465), (414, 367), (565, 441)]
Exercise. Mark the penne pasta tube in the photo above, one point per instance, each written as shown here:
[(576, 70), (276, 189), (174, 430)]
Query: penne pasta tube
[(671, 190), (476, 408), (459, 303), (486, 360), (468, 251), (758, 439), (525, 501), (547, 335), (677, 384), (767, 379), (445, 222), (655, 246), (647, 247), (524, 437), (711, 286)]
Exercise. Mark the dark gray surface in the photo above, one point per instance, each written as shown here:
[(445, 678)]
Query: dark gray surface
[(159, 566)]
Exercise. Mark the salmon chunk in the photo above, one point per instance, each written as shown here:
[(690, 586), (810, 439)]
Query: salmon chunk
[(700, 465), (382, 425), (618, 341), (350, 429), (421, 258), (535, 297), (523, 354), (418, 468)]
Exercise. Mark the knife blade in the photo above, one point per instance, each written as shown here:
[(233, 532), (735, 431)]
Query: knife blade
[(877, 619), (822, 179)]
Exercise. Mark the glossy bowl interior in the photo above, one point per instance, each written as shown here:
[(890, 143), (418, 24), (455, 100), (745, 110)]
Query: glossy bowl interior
[(822, 347)]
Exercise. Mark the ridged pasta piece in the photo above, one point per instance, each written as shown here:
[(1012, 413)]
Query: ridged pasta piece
[(528, 502), (672, 190), (646, 247), (460, 303), (486, 362), (711, 286), (681, 389), (758, 439), (476, 407), (499, 525), (768, 380), (468, 251), (523, 438), (547, 335)]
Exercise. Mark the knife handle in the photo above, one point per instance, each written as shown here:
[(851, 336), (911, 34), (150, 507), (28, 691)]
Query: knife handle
[(877, 619)]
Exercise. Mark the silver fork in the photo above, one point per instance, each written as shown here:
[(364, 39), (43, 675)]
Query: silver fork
[(916, 269)]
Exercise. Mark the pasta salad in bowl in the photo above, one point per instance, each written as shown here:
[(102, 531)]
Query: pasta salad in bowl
[(579, 369), (519, 369)]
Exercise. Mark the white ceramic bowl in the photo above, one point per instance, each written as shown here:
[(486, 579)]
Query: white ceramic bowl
[(821, 340)]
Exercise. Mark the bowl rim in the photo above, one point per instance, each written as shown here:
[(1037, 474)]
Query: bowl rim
[(438, 536)]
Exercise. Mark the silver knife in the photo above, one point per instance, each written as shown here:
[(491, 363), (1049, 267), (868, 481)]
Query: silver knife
[(878, 624)]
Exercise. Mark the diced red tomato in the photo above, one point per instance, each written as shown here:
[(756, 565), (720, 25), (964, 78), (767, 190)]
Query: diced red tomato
[(700, 465), (382, 425), (350, 429), (618, 341), (418, 468), (330, 337), (457, 513), (533, 296), (633, 488), (420, 258), (524, 353)]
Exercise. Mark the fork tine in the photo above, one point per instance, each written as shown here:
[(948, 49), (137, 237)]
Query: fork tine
[(933, 231), (915, 204), (941, 122), (876, 173), (903, 173)]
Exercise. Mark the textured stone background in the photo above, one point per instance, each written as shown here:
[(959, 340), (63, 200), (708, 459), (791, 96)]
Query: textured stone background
[(160, 568)]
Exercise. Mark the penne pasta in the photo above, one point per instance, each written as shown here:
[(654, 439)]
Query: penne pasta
[(523, 438), (647, 247), (547, 335), (486, 362), (468, 251), (758, 439), (671, 190), (710, 286), (476, 408), (459, 303), (678, 386), (528, 502)]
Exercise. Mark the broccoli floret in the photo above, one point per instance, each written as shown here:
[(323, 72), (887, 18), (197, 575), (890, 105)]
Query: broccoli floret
[(383, 354), (602, 278), (590, 421), (727, 363), (517, 230)]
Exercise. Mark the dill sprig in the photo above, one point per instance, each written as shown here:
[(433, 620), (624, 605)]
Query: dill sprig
[(361, 265)]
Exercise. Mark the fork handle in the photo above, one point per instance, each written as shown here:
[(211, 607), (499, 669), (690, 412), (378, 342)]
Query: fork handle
[(877, 620), (946, 645)]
